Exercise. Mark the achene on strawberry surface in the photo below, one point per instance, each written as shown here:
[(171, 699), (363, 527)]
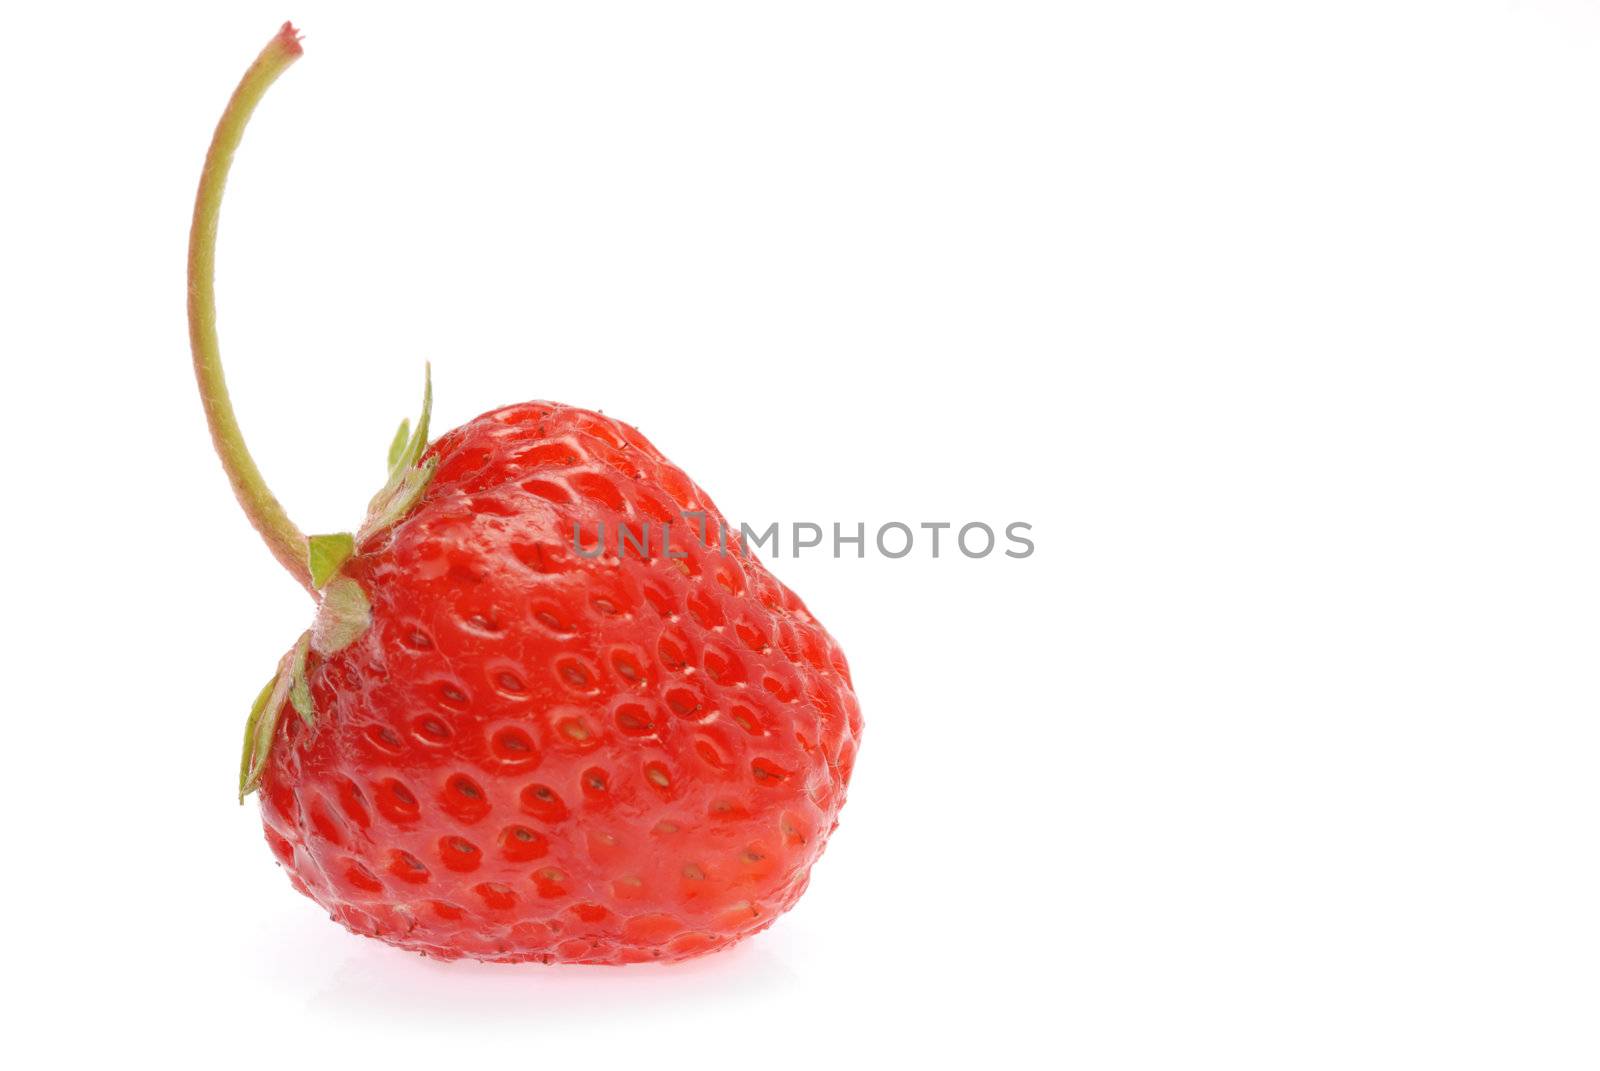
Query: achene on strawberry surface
[(492, 745)]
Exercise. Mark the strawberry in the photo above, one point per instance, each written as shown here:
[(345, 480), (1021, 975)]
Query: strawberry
[(509, 734)]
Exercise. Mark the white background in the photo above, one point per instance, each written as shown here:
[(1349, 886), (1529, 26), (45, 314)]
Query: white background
[(1278, 321)]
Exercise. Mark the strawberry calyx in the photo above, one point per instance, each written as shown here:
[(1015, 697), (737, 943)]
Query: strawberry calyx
[(344, 612)]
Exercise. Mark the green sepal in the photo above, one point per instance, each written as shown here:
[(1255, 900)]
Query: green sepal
[(299, 687), (342, 619), (419, 441), (260, 726), (404, 456), (325, 553), (401, 501), (402, 436), (246, 781), (408, 480)]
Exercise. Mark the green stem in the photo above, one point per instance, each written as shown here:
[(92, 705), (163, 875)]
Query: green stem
[(287, 542)]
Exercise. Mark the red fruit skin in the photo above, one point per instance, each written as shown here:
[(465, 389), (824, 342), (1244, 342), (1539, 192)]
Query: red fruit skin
[(532, 755)]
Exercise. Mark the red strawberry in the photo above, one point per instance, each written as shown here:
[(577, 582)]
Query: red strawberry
[(492, 745)]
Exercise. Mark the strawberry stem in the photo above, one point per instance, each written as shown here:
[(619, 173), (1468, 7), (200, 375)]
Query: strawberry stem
[(287, 543)]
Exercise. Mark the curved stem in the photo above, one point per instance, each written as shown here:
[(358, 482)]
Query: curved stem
[(287, 542)]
